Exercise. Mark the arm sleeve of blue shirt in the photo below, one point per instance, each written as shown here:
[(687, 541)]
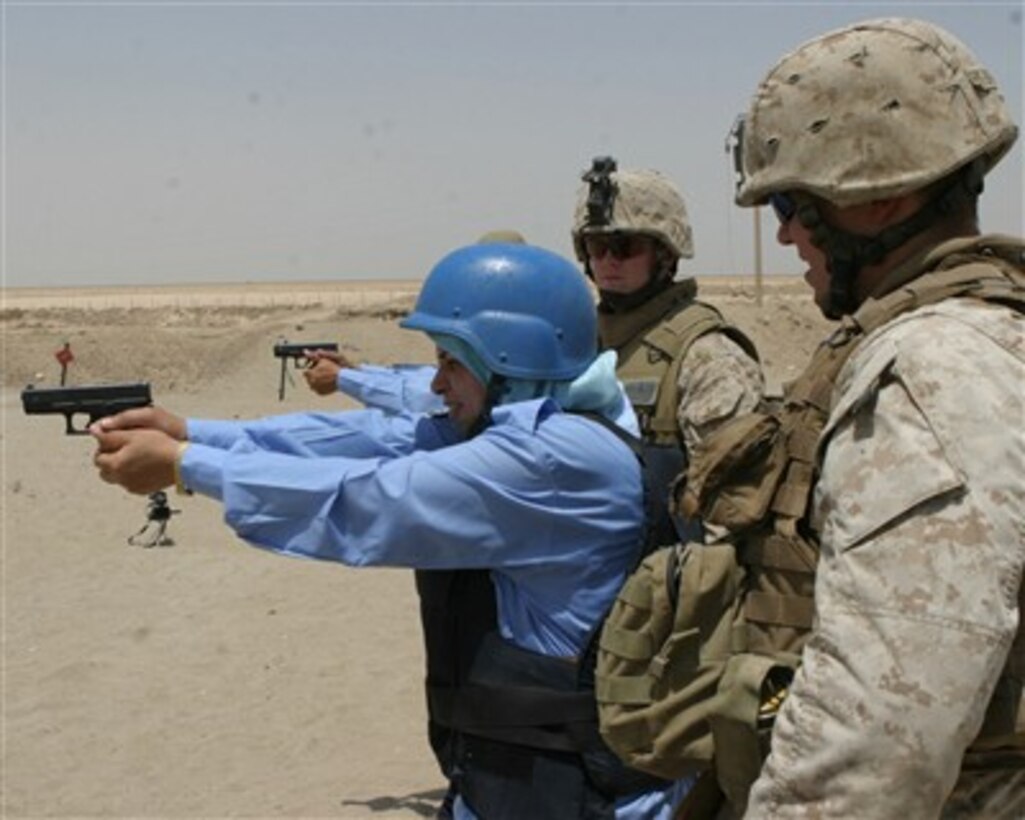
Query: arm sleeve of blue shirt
[(552, 506), (467, 505), (398, 389), (355, 434), (360, 434)]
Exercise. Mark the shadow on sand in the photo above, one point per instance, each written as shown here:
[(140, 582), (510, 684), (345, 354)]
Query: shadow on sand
[(421, 804)]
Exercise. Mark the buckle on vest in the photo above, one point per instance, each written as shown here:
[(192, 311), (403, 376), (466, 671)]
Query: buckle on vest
[(641, 392)]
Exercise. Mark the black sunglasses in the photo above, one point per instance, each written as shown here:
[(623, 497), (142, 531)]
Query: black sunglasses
[(620, 245), (784, 206)]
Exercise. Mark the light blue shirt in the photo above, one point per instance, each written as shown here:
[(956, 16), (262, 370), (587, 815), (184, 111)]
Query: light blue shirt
[(550, 502), (397, 389)]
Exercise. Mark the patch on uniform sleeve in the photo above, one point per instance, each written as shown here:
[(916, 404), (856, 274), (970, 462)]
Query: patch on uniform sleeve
[(882, 457), (641, 392)]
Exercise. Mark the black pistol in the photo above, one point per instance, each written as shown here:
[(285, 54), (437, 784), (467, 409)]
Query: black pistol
[(285, 350), (94, 401)]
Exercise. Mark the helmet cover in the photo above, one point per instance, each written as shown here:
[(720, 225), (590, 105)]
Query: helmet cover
[(642, 201), (870, 111)]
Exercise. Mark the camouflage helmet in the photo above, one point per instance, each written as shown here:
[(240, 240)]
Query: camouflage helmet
[(870, 111), (643, 201)]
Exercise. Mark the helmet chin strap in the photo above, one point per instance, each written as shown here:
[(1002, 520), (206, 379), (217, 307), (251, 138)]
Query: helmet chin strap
[(847, 253), (625, 302)]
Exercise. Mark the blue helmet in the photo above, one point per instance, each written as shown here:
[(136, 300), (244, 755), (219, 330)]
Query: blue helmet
[(527, 312)]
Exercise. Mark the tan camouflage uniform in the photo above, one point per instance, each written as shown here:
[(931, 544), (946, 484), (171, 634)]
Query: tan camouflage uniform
[(920, 505), (910, 685), (717, 378), (718, 381)]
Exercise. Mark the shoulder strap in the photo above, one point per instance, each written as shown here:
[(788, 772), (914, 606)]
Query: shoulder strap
[(807, 403), (674, 336), (673, 339), (659, 466), (989, 279), (984, 279)]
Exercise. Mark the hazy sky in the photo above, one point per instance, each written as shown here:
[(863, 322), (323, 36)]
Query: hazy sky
[(159, 142)]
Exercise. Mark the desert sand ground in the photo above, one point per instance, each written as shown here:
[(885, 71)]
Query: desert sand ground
[(207, 679)]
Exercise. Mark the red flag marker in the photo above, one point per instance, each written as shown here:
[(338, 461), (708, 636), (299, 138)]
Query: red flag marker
[(65, 357)]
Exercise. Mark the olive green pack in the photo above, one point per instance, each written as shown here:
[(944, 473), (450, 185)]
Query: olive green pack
[(703, 636), (697, 651)]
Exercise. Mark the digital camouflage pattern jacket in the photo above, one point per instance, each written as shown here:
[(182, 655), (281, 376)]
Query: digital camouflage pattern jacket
[(906, 701)]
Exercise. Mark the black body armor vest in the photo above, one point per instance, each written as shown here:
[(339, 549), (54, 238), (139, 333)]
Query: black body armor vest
[(516, 731)]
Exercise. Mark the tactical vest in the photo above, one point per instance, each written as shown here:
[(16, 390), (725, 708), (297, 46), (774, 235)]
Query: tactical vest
[(755, 477), (700, 646), (457, 609), (514, 730), (652, 341)]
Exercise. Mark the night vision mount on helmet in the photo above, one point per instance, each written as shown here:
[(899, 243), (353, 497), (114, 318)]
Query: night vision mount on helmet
[(631, 201)]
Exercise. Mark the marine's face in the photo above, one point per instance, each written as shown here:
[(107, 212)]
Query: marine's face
[(620, 262), (867, 219), (792, 232), (463, 395)]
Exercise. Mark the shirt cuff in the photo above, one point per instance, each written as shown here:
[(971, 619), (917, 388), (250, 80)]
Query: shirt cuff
[(351, 382), (201, 469), (180, 485)]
